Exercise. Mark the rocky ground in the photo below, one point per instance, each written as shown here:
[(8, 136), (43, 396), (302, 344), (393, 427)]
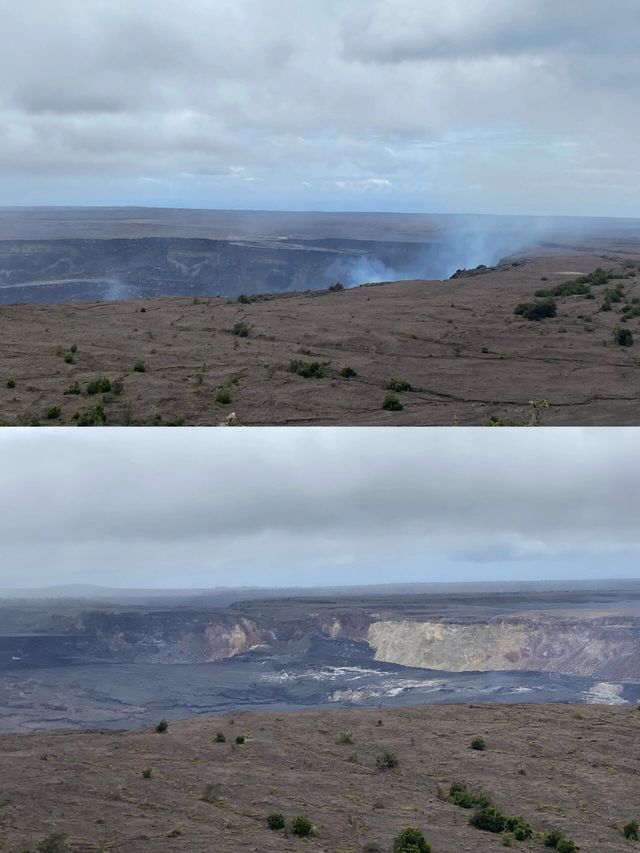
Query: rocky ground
[(576, 769), (467, 357)]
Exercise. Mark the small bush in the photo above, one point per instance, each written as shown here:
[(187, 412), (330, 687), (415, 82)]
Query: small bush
[(162, 727), (240, 739), (411, 840), (210, 793), (220, 737), (344, 738), (392, 404), (91, 417), (631, 830), (11, 383), (336, 286), (73, 389), (308, 369), (460, 795), (536, 310), (488, 819), (243, 299), (507, 840), (568, 288), (146, 773), (566, 845), (53, 413), (68, 359), (398, 385), (99, 386), (140, 367), (54, 843), (302, 827), (478, 743), (560, 842), (348, 372), (386, 761), (275, 820), (223, 396), (240, 330), (623, 337)]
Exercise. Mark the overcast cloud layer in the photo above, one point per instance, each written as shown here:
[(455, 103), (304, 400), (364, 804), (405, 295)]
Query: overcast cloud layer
[(204, 508), (526, 106)]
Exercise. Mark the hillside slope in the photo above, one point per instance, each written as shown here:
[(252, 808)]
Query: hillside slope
[(553, 765)]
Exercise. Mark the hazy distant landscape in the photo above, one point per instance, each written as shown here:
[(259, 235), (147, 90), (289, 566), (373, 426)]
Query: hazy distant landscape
[(71, 662)]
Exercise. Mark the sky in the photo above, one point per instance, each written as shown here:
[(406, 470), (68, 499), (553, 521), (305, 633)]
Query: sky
[(471, 106), (183, 508)]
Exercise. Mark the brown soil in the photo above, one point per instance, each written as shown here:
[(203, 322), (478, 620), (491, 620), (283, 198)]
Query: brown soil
[(469, 359), (571, 767)]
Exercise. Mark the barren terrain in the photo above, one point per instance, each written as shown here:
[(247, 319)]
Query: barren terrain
[(468, 358), (557, 766)]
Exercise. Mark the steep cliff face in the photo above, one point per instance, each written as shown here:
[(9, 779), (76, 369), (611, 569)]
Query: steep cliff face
[(608, 647)]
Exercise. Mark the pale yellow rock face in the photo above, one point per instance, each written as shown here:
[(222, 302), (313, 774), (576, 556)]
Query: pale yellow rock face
[(456, 648)]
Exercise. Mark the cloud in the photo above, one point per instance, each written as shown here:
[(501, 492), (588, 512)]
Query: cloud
[(469, 105), (227, 507)]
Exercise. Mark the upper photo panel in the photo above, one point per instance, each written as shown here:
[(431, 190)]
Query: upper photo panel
[(309, 212)]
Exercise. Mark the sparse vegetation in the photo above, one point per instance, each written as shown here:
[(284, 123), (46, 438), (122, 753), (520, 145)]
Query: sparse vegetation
[(98, 386), (623, 337), (567, 288), (631, 830), (386, 761), (344, 738), (490, 819), (53, 413), (392, 404), (223, 396), (478, 743), (210, 793), (240, 739), (54, 843), (68, 359), (348, 372), (240, 330), (461, 795), (91, 417), (336, 286), (275, 821), (73, 389), (11, 383), (147, 773), (537, 310), (411, 840), (243, 299), (398, 385), (140, 367), (162, 726), (220, 737), (309, 369), (302, 827)]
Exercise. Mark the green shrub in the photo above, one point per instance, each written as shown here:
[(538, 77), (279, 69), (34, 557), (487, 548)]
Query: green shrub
[(275, 820), (398, 385), (243, 299), (614, 294), (54, 843), (140, 367), (344, 738), (99, 386), (240, 739), (308, 369), (223, 396), (623, 337), (507, 840), (53, 413), (536, 310), (551, 838), (631, 830), (162, 726), (240, 330), (519, 827), (11, 383), (336, 286), (91, 417), (392, 404), (348, 372), (478, 743), (560, 842), (567, 288), (210, 793), (146, 773), (460, 795), (68, 359), (220, 737), (73, 389), (488, 819), (302, 827), (386, 761), (411, 840), (566, 845)]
